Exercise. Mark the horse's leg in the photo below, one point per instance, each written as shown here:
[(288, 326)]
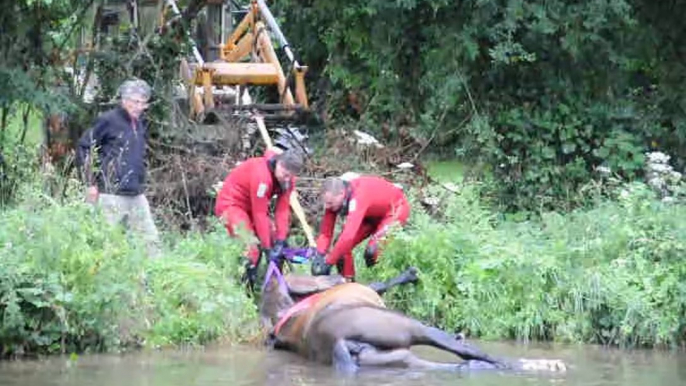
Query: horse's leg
[(403, 358), (438, 338), (342, 360), (387, 329), (367, 355), (477, 360), (408, 276)]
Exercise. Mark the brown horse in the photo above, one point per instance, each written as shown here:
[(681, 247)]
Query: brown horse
[(347, 325)]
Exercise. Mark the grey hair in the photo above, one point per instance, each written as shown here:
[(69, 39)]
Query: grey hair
[(291, 160), (133, 87), (333, 185)]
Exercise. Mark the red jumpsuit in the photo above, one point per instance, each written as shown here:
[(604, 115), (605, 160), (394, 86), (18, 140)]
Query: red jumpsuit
[(244, 199), (371, 206)]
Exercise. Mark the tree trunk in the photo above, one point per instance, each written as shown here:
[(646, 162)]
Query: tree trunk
[(25, 122)]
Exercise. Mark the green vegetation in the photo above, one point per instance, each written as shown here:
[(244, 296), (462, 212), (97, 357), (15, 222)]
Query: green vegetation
[(71, 283), (613, 274), (537, 93), (446, 171)]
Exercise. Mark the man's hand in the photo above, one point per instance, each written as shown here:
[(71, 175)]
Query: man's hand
[(250, 275), (311, 252), (370, 255), (92, 194), (319, 265), (276, 253)]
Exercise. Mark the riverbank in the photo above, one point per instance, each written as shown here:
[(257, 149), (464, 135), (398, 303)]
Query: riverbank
[(612, 274), (71, 283)]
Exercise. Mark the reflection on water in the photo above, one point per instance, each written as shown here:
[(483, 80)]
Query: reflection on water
[(245, 366)]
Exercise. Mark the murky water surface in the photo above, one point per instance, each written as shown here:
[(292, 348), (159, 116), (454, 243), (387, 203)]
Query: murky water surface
[(246, 366)]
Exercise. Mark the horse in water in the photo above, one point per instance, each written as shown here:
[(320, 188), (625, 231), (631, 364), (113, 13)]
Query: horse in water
[(347, 325)]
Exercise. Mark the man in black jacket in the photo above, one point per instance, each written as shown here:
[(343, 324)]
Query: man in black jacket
[(111, 156)]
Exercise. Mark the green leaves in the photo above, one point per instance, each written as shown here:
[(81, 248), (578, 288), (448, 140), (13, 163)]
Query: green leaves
[(606, 275), (544, 88), (69, 282)]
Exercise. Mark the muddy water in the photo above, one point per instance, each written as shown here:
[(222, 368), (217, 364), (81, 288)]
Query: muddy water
[(245, 366)]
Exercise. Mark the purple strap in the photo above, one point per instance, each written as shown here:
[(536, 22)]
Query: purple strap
[(291, 253), (274, 270)]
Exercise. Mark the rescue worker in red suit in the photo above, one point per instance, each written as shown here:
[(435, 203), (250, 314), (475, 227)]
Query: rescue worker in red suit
[(244, 202), (371, 205)]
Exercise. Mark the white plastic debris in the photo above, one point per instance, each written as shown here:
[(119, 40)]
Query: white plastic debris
[(431, 201), (366, 139), (451, 187), (349, 176), (604, 170)]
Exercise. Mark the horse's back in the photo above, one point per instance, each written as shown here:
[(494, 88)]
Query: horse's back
[(350, 294), (342, 296), (337, 297)]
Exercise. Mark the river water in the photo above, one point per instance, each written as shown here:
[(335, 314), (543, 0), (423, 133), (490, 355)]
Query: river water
[(248, 366)]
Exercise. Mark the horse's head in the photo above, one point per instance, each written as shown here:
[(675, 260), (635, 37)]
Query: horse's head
[(302, 285), (275, 297)]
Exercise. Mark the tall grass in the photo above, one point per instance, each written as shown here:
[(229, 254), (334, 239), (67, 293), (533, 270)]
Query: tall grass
[(613, 274), (69, 282)]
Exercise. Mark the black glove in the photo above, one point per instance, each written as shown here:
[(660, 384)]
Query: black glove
[(276, 253), (369, 255), (250, 275), (339, 266), (319, 265)]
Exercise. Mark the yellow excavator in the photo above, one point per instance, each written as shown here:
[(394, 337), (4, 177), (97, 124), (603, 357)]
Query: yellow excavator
[(246, 58)]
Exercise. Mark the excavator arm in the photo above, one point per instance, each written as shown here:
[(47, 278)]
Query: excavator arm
[(248, 58)]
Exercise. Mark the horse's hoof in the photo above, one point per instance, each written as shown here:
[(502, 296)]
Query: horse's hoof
[(460, 336), (412, 275), (554, 365)]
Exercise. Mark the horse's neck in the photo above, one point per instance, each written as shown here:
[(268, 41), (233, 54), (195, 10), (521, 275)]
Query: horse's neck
[(292, 316)]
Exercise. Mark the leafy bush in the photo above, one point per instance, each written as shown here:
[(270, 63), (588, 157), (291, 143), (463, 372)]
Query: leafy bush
[(610, 275), (69, 282), (542, 93)]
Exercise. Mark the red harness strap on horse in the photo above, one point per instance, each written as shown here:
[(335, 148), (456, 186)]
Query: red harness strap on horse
[(297, 307)]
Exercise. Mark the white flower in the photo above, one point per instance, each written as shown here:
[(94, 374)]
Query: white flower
[(660, 168), (658, 157), (656, 182)]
